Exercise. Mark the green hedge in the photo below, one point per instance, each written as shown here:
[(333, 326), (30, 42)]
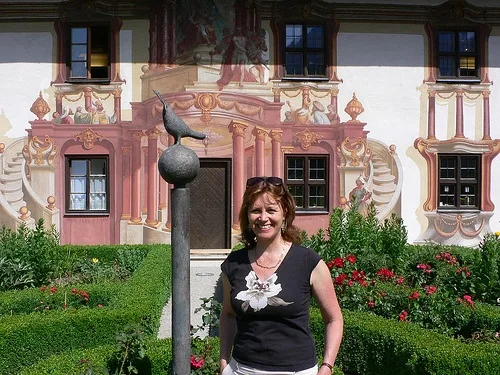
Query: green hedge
[(27, 339), (374, 346)]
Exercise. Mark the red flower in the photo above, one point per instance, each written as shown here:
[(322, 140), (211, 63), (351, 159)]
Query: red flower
[(337, 263), (400, 280), (414, 295), (430, 289), (196, 363), (403, 316), (385, 273), (43, 288), (53, 289), (339, 280), (371, 304), (351, 258)]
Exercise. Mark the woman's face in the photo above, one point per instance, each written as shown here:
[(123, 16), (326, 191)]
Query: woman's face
[(265, 217)]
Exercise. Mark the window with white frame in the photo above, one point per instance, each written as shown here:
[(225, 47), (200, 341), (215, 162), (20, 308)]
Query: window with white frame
[(459, 181), (87, 181), (307, 179)]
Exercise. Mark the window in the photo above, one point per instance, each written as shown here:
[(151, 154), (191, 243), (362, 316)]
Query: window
[(87, 181), (459, 181), (307, 181), (458, 55), (89, 53), (305, 51)]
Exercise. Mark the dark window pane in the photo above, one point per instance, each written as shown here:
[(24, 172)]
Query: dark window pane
[(315, 63), (447, 168), (446, 41), (79, 52), (295, 169), (315, 37), (468, 168), (297, 192), (467, 66), (316, 196), (98, 167), (467, 41), (79, 70), (446, 195), (447, 66), (294, 63), (78, 167), (316, 169), (468, 195), (293, 36), (79, 35)]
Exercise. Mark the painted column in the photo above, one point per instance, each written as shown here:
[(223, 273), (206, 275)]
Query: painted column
[(431, 116), (87, 93), (144, 181), (152, 183), (238, 130), (136, 176), (486, 115), (153, 37), (260, 141), (126, 197), (459, 125), (117, 104), (276, 156), (59, 106)]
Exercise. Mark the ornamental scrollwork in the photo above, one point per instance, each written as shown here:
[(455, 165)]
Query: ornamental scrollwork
[(306, 138), (40, 152), (457, 224), (354, 153), (88, 137)]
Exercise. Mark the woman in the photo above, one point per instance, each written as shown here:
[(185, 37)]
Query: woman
[(264, 324), (360, 197)]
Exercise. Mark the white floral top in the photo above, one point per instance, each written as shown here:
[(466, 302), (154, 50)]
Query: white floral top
[(272, 315)]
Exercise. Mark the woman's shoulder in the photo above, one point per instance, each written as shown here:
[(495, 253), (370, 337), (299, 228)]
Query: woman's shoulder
[(234, 259), (306, 254)]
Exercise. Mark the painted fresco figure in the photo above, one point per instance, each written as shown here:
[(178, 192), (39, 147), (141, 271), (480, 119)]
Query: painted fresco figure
[(99, 115), (234, 66), (360, 197), (82, 116), (318, 114), (256, 54)]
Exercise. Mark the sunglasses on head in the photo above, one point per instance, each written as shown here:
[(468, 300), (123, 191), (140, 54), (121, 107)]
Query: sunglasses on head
[(276, 181)]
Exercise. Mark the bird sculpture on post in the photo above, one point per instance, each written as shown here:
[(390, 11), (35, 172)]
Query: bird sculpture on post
[(174, 125)]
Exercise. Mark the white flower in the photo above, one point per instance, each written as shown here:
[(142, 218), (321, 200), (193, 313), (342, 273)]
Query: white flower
[(260, 293)]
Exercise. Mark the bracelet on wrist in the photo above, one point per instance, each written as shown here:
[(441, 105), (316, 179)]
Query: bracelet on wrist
[(327, 365)]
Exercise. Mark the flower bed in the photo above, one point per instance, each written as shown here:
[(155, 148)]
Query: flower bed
[(28, 338)]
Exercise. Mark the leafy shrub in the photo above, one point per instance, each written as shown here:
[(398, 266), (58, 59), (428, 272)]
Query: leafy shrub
[(34, 251)]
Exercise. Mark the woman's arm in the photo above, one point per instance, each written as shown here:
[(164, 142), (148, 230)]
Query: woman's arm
[(324, 293), (227, 325)]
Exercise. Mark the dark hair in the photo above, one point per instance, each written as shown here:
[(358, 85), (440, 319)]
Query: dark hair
[(283, 197)]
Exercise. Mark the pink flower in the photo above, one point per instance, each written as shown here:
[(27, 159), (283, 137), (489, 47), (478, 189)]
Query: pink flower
[(351, 258), (196, 363), (371, 304), (400, 280), (99, 306)]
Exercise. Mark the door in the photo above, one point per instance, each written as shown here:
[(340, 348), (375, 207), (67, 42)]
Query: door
[(210, 221)]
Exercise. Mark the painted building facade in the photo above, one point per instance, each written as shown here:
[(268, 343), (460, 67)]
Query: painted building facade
[(391, 102)]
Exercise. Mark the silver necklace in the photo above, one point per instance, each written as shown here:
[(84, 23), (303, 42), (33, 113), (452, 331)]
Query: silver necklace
[(270, 267)]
